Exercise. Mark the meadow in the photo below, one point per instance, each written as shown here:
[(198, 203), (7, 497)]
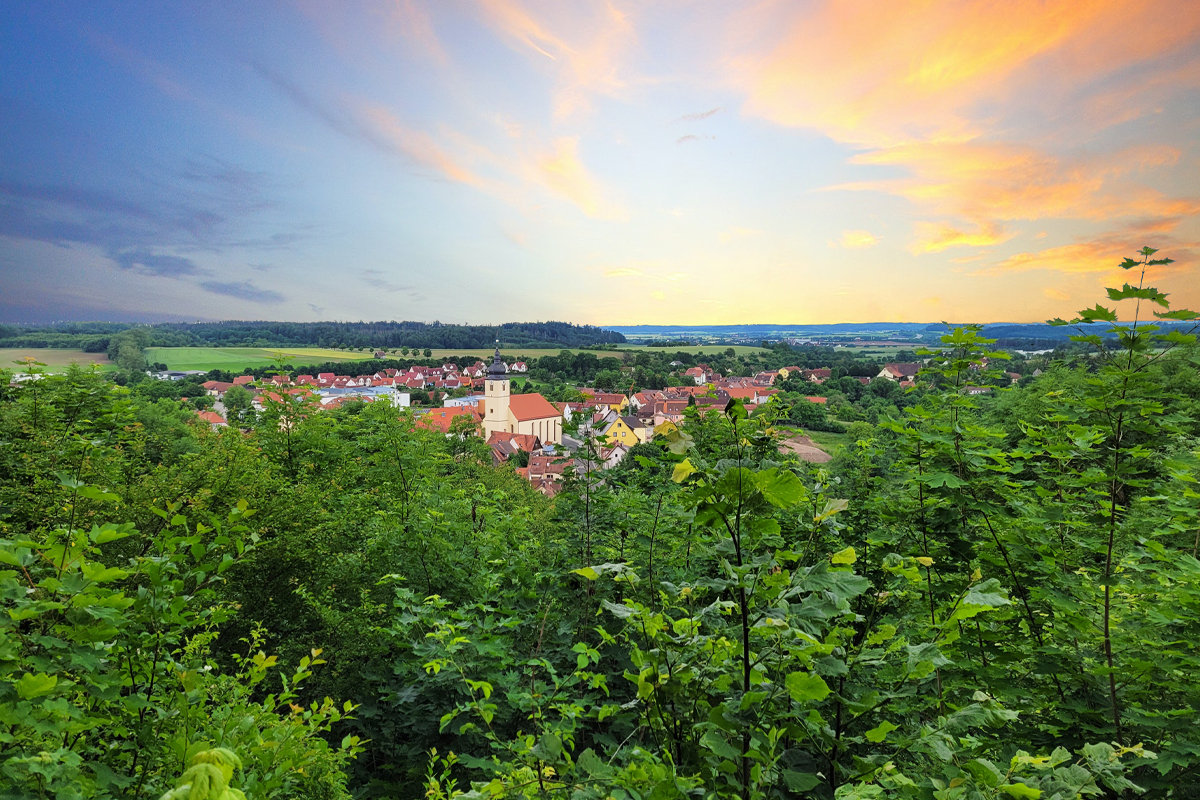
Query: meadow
[(236, 358), (54, 359)]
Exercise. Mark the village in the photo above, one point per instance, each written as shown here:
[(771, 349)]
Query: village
[(543, 439)]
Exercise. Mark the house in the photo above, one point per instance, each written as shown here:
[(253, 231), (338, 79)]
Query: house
[(668, 411), (614, 400), (517, 413), (569, 410), (748, 395), (701, 374), (380, 353), (606, 457), (472, 400), (978, 390), (1014, 377), (440, 419), (546, 466), (242, 380), (216, 388), (819, 375), (504, 445), (518, 366), (628, 431), (213, 418), (599, 420), (765, 378), (899, 372), (818, 400)]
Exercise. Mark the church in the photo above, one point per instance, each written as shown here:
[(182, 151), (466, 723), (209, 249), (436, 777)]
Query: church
[(521, 413)]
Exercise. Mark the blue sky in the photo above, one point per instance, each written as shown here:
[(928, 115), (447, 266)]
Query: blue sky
[(611, 163)]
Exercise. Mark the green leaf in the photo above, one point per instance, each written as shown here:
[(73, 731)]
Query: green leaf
[(31, 685), (984, 771), (804, 686), (1128, 292), (936, 479), (832, 507), (847, 556), (781, 488), (880, 731), (587, 572), (717, 744), (1182, 314), (101, 574), (593, 765), (1097, 314), (800, 781), (1020, 790), (548, 748), (682, 470)]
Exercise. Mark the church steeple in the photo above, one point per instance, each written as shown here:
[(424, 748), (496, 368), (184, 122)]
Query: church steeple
[(495, 397), (498, 370)]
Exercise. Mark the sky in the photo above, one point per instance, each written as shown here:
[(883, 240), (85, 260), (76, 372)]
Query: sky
[(610, 163)]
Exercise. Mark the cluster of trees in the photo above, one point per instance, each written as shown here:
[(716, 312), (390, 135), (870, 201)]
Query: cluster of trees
[(982, 597), (97, 337)]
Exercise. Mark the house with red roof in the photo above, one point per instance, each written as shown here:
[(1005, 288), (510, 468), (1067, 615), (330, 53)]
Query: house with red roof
[(440, 419), (899, 372), (213, 418)]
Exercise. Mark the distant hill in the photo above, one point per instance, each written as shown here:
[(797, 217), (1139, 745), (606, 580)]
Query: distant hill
[(385, 335)]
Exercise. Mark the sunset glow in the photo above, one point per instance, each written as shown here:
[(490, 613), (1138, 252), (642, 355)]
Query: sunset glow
[(609, 163)]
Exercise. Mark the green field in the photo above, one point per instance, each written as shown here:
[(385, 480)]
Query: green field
[(705, 349), (54, 359), (831, 443), (238, 358)]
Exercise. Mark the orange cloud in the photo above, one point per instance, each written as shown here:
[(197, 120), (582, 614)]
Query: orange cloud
[(418, 146), (933, 237), (561, 171), (1055, 294), (857, 240), (878, 73), (1100, 255), (585, 50), (939, 91)]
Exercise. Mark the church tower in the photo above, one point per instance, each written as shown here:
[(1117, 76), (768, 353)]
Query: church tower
[(495, 397)]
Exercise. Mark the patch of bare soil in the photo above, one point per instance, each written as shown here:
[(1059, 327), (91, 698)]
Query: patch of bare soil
[(805, 449)]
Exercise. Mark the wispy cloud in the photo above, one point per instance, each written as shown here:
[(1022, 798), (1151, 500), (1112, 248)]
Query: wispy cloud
[(158, 264), (703, 115), (561, 170), (1101, 254), (858, 240), (933, 237), (377, 279), (584, 50), (243, 290)]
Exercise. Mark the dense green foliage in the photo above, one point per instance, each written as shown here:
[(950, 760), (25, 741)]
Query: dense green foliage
[(984, 596)]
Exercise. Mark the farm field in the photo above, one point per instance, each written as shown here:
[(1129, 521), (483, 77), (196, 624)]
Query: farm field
[(236, 358), (54, 359), (705, 349)]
